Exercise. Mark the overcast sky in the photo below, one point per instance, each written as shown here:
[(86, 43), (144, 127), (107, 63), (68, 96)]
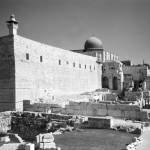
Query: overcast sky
[(123, 26)]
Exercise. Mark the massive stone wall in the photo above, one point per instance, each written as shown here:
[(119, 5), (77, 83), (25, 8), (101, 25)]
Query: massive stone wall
[(7, 74), (43, 71)]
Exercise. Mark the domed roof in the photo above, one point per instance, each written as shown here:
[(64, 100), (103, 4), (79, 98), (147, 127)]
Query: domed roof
[(93, 43)]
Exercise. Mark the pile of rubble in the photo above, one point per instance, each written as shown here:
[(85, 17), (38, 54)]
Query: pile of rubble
[(45, 141), (135, 142), (28, 125)]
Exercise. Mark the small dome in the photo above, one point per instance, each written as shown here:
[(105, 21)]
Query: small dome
[(93, 43), (12, 18)]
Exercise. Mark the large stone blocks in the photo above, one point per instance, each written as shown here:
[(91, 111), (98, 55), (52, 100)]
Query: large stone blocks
[(127, 114), (46, 138), (102, 106), (69, 111), (77, 112), (123, 114), (121, 107), (143, 115), (102, 112), (132, 107), (110, 112), (97, 122), (30, 146), (132, 96), (116, 113), (87, 112), (111, 97), (47, 145), (132, 114), (111, 106), (94, 106), (137, 114)]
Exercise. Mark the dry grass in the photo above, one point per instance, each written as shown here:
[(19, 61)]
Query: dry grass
[(94, 139)]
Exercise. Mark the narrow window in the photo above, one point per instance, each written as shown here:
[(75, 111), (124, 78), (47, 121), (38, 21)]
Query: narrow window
[(85, 66), (90, 67), (73, 64), (27, 56), (59, 62), (41, 59), (67, 62), (94, 67), (79, 65)]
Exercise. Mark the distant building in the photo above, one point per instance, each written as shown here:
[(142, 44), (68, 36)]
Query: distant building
[(127, 62)]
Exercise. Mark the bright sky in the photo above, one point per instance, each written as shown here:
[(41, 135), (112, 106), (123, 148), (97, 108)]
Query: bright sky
[(123, 26)]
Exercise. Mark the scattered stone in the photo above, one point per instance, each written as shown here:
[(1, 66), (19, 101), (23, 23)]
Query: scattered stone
[(80, 130), (5, 139), (29, 146)]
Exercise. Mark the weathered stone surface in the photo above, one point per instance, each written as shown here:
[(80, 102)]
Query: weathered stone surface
[(102, 106), (47, 145), (127, 114), (117, 113), (97, 122), (30, 146), (110, 112), (45, 138), (132, 114), (111, 106), (143, 115), (95, 106), (102, 112), (132, 107)]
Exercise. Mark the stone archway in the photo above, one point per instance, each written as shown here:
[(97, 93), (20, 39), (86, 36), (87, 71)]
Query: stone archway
[(105, 82), (115, 83)]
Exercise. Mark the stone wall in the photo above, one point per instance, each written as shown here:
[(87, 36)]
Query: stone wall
[(7, 74), (133, 96), (40, 107), (60, 72), (111, 97), (113, 69), (100, 123), (138, 72), (147, 80), (101, 109)]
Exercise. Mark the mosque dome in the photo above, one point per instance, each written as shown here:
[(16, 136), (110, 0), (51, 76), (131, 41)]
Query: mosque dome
[(93, 43)]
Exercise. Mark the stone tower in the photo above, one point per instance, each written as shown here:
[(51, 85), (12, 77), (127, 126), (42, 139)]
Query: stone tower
[(12, 25)]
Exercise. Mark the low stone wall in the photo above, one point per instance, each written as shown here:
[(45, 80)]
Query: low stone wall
[(40, 107), (133, 96), (99, 109), (102, 123), (111, 97)]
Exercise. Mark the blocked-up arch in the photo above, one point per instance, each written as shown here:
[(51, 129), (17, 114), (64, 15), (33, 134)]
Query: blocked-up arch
[(105, 82), (115, 83)]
